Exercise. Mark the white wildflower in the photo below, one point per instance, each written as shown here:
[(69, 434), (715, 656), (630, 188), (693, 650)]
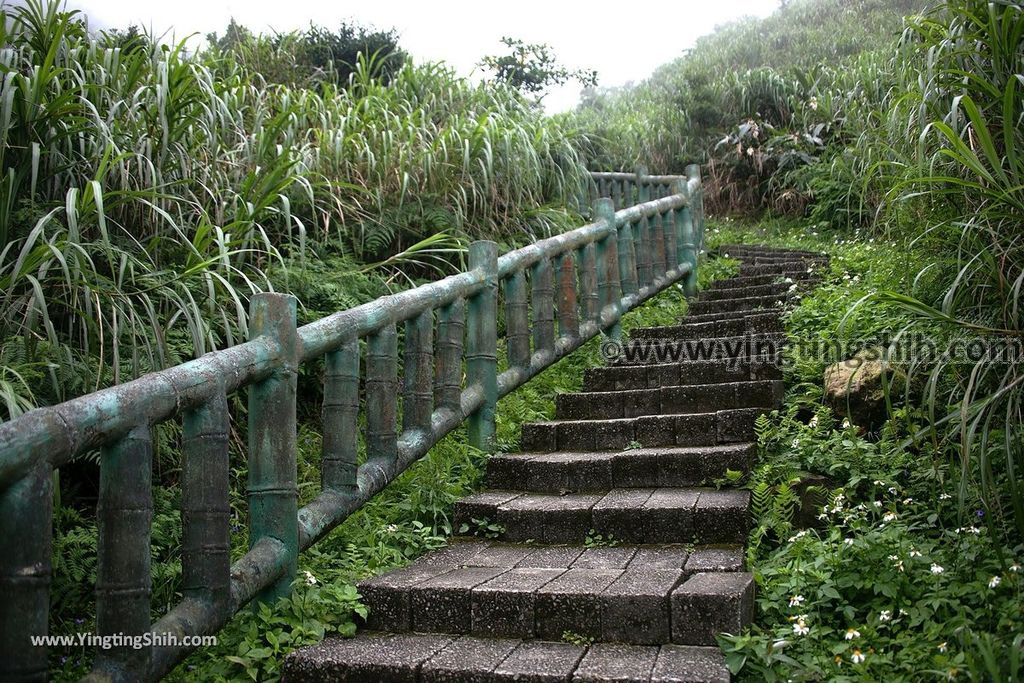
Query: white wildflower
[(945, 496), (889, 516), (857, 657), (1014, 567), (885, 615), (994, 581), (846, 423), (943, 647), (796, 600), (848, 541), (310, 579), (852, 633), (800, 628), (915, 553), (937, 569)]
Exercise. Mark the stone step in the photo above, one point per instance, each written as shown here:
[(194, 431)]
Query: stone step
[(661, 351), (727, 324), (694, 398), (623, 377), (736, 250), (820, 261), (648, 431), (430, 658), (726, 315), (635, 468), (629, 515), (712, 294), (791, 269), (503, 590), (740, 281), (748, 303)]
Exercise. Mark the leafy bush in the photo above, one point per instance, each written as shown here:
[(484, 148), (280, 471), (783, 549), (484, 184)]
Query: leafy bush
[(889, 585), (876, 557)]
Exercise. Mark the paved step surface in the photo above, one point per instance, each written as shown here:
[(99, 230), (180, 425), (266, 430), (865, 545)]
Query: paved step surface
[(606, 405), (667, 467), (614, 525), (635, 515), (430, 658), (650, 376), (628, 594)]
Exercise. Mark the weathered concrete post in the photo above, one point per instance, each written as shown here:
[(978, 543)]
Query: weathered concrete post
[(684, 239), (482, 344), (340, 417), (273, 497), (693, 173), (607, 262), (123, 579), (26, 521)]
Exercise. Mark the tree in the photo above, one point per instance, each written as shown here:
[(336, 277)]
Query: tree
[(318, 54), (532, 68)]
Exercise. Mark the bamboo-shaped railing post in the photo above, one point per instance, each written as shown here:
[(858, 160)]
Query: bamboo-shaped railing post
[(568, 313), (607, 266), (590, 298), (517, 321), (205, 509), (340, 417), (482, 343), (645, 252), (616, 196), (668, 231), (451, 333), (627, 259), (382, 403), (542, 298), (684, 239), (124, 516), (418, 395), (26, 522), (273, 496), (693, 173)]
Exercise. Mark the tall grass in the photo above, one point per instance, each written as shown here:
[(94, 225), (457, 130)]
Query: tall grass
[(971, 144), (146, 192)]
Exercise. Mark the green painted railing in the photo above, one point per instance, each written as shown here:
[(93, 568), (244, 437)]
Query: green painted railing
[(557, 294)]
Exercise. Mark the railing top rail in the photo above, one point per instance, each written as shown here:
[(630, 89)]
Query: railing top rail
[(643, 177), (557, 294), (59, 433)]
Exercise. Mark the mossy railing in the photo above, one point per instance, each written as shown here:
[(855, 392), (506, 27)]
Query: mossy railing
[(556, 294)]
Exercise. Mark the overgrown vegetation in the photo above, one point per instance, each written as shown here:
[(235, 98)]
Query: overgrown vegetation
[(148, 191), (877, 556), (873, 128)]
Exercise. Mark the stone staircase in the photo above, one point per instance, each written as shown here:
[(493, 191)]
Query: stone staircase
[(633, 458)]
